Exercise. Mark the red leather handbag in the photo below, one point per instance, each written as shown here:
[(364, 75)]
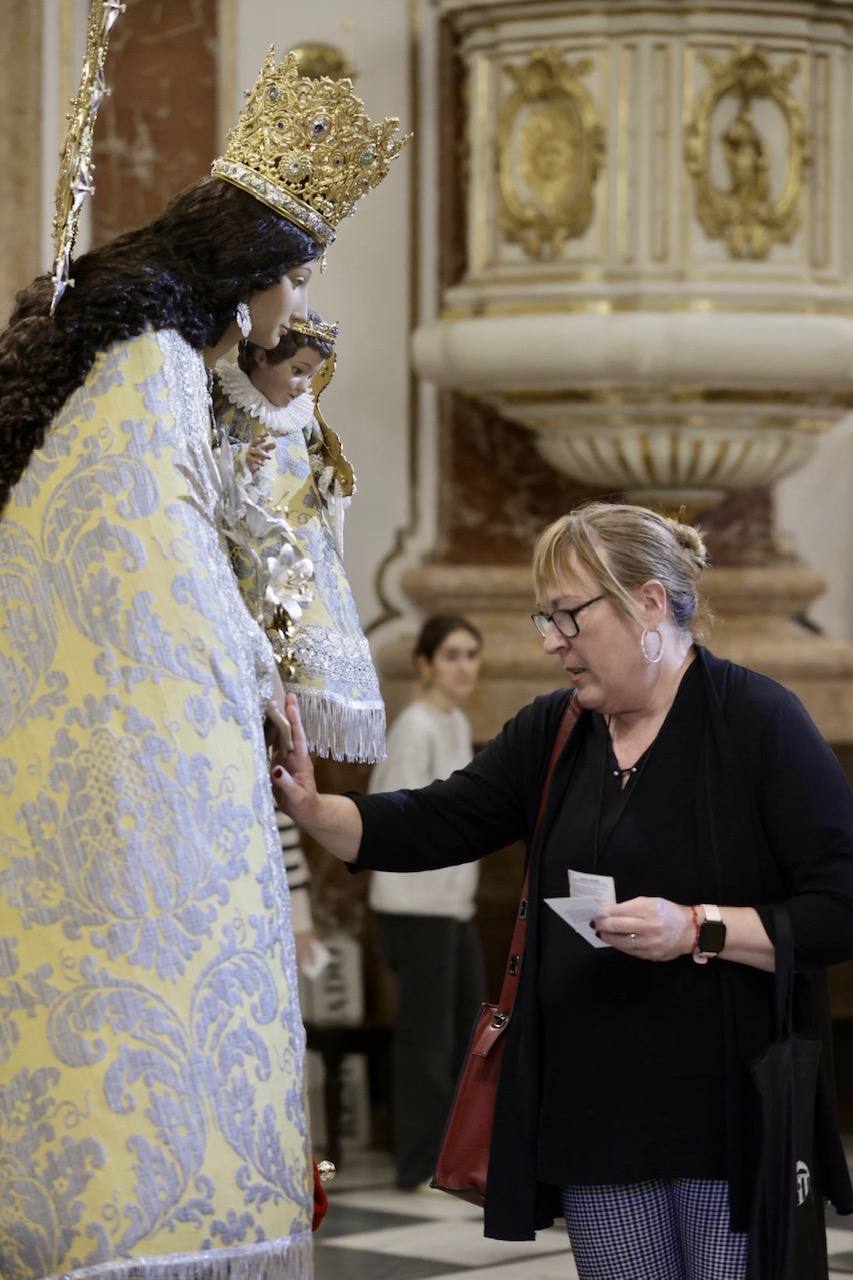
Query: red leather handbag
[(321, 1200), (463, 1159)]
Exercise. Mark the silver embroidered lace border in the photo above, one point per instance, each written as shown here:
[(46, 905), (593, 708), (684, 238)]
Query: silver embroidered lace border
[(287, 1258)]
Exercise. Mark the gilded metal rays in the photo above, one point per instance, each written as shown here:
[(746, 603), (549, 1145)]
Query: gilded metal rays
[(75, 182)]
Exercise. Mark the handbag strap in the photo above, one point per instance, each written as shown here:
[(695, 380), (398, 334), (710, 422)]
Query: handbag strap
[(519, 933), (783, 985)]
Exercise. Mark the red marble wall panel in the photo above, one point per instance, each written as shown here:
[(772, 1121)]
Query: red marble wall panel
[(157, 131), (496, 491), (20, 144)]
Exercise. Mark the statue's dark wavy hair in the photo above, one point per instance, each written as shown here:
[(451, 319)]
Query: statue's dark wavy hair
[(211, 248)]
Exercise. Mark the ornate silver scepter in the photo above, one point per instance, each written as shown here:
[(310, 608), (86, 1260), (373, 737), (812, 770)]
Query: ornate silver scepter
[(76, 169)]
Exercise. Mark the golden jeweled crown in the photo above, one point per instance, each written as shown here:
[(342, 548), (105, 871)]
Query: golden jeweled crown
[(307, 147), (314, 327)]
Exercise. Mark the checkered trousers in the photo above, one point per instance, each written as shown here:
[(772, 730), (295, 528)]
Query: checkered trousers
[(658, 1230)]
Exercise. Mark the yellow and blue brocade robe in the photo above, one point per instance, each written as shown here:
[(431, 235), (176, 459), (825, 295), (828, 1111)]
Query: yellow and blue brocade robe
[(152, 1120)]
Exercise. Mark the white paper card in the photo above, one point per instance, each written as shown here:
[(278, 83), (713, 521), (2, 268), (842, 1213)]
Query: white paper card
[(577, 912), (584, 884)]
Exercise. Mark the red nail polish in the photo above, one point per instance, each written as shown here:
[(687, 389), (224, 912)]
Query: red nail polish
[(278, 773)]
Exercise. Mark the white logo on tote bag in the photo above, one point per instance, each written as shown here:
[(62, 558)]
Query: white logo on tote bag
[(804, 1179)]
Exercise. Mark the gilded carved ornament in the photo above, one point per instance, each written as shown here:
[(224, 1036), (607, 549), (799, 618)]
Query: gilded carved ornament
[(746, 216), (550, 152)]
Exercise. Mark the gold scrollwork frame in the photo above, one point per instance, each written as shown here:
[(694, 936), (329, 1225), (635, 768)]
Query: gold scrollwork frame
[(550, 151), (746, 216)]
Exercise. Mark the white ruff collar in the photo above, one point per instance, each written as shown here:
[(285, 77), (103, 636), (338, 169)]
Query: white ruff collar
[(282, 419)]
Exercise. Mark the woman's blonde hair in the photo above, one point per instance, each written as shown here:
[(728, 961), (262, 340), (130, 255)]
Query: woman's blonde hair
[(622, 546)]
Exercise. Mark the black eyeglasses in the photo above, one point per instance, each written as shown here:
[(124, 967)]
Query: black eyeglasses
[(565, 620)]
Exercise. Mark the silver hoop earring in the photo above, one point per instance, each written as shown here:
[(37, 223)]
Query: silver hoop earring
[(244, 320), (646, 633)]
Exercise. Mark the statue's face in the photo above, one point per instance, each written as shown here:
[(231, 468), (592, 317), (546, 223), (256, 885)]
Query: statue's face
[(288, 379), (271, 309)]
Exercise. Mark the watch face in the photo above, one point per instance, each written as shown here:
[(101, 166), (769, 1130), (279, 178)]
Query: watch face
[(712, 936)]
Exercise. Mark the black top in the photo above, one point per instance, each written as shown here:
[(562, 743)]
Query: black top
[(774, 823), (649, 1102)]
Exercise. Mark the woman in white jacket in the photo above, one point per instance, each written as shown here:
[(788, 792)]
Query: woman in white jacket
[(426, 922)]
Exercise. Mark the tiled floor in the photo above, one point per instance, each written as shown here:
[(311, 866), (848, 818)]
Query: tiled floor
[(374, 1232)]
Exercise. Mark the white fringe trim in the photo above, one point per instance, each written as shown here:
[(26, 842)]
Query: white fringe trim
[(288, 1258), (341, 729)]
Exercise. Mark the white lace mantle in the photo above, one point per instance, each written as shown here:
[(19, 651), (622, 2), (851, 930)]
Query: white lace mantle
[(280, 420)]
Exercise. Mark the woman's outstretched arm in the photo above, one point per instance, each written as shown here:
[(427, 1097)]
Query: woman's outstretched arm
[(486, 806)]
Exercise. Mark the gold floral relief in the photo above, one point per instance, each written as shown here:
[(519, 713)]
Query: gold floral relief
[(747, 215), (550, 151)]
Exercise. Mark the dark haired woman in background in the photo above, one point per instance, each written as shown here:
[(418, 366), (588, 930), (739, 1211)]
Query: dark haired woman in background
[(151, 1049), (426, 921)]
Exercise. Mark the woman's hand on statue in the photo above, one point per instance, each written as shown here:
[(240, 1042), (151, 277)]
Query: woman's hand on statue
[(333, 821), (258, 452), (292, 771), (648, 928)]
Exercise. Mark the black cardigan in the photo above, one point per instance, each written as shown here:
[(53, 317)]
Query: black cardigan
[(777, 816)]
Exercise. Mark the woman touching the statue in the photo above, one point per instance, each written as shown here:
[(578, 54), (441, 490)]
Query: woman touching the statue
[(705, 795)]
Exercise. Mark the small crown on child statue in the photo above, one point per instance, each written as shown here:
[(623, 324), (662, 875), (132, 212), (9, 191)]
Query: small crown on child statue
[(307, 147), (315, 328)]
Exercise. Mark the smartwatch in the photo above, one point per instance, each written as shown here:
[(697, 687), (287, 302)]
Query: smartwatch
[(712, 935)]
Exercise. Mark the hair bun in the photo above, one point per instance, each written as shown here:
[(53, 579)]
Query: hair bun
[(690, 540)]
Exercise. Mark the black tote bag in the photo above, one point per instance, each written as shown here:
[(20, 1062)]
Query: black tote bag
[(787, 1230)]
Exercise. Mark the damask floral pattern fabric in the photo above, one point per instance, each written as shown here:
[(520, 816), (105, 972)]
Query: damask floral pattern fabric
[(151, 1048)]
